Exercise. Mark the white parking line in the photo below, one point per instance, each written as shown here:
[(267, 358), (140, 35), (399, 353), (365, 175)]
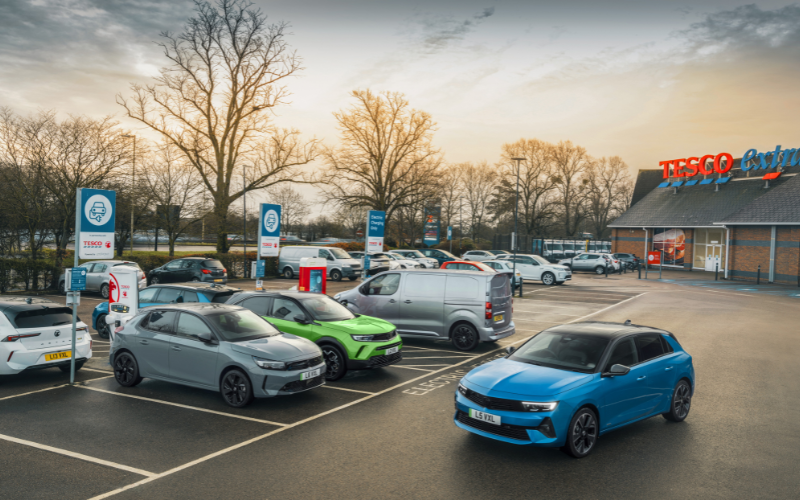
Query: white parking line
[(540, 321), (79, 456), (441, 364), (34, 392), (425, 348), (348, 390), (98, 371), (182, 406), (442, 357), (410, 368)]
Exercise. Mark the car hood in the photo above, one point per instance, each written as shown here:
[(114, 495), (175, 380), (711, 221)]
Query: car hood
[(285, 347), (351, 262), (514, 377), (559, 267), (364, 325)]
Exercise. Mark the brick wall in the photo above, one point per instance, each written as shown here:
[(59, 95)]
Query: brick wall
[(628, 241), (750, 247), (787, 254)]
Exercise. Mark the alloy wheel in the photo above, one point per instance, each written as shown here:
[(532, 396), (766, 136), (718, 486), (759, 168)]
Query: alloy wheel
[(682, 401), (154, 280), (234, 388), (548, 279), (464, 337), (599, 270), (123, 369), (104, 291), (584, 433), (332, 360)]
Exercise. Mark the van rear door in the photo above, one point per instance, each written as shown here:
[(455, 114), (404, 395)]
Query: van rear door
[(500, 297)]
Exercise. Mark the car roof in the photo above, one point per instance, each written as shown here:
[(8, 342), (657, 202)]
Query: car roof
[(198, 286), (198, 307), (19, 303), (603, 329), (196, 258), (445, 271), (282, 293)]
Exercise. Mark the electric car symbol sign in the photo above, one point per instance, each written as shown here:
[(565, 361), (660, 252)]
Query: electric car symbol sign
[(270, 233), (96, 223)]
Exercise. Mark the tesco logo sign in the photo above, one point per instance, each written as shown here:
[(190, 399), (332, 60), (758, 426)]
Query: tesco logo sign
[(689, 167)]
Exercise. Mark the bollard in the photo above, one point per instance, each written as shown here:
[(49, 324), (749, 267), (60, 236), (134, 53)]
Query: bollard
[(606, 269), (758, 275), (639, 267), (716, 272), (521, 281)]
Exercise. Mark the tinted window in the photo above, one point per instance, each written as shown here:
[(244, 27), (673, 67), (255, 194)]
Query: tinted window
[(213, 264), (285, 309), (88, 267), (339, 253), (324, 308), (259, 305), (424, 285), (241, 325), (190, 325), (161, 321), (493, 265), (188, 264), (562, 350), (667, 348), (99, 268), (148, 295), (324, 254), (168, 296), (218, 298), (501, 286), (649, 347), (386, 284), (174, 265), (624, 354), (189, 297), (40, 318)]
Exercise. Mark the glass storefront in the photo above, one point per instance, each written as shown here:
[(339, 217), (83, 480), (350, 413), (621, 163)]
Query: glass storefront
[(673, 243), (709, 249)]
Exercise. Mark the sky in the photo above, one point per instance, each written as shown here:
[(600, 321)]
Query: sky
[(644, 80)]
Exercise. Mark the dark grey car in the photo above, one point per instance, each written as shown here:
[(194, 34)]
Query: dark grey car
[(189, 269), (219, 347)]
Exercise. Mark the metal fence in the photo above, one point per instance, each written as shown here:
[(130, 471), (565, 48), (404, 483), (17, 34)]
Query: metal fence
[(552, 249)]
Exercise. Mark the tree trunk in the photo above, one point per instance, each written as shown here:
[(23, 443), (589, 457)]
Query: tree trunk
[(221, 214)]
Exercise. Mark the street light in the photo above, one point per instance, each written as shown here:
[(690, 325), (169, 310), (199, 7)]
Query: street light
[(514, 236), (133, 183), (244, 216)]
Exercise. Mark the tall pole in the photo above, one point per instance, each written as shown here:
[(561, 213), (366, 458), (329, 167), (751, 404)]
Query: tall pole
[(74, 293), (460, 223), (133, 184), (244, 216), (515, 235)]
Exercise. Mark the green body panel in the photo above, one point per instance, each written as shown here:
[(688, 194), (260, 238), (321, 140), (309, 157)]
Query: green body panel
[(341, 331)]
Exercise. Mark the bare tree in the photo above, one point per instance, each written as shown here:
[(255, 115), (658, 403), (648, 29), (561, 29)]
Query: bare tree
[(450, 191), (294, 207), (225, 69), (609, 187), (478, 184), (352, 219), (570, 162), (386, 160)]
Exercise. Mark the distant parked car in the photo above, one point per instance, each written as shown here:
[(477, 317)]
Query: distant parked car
[(535, 267), (504, 266), (417, 256), (291, 239), (378, 262), (441, 256), (404, 263), (478, 255), (590, 261), (628, 259), (340, 264), (462, 265), (189, 269), (98, 274), (499, 252)]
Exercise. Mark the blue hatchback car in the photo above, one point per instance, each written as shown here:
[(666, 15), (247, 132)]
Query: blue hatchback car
[(570, 384)]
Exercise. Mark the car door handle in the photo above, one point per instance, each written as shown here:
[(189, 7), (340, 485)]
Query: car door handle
[(392, 301), (642, 377), (176, 348), (407, 301), (668, 368), (143, 342)]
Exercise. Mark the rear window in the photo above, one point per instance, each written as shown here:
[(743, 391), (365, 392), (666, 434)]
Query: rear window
[(130, 264), (212, 264), (219, 297), (40, 318), (501, 286)]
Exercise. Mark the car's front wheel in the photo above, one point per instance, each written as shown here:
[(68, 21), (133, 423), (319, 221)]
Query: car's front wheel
[(236, 389), (465, 337), (104, 290), (195, 279), (335, 361), (336, 275), (548, 278), (102, 327), (582, 433), (599, 270), (681, 402), (126, 370)]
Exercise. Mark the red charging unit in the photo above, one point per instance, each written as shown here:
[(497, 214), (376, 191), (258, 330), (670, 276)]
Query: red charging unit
[(313, 275)]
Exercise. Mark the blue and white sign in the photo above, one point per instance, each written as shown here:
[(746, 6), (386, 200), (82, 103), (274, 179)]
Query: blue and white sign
[(449, 233), (95, 235), (260, 268), (77, 279), (270, 233), (376, 223)]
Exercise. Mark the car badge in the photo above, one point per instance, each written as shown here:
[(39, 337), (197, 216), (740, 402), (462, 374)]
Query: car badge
[(57, 333)]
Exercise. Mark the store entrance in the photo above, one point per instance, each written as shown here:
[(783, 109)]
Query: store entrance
[(713, 257)]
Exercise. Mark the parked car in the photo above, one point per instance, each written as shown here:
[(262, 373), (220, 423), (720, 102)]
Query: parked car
[(37, 333), (348, 341), (416, 255), (535, 267), (441, 256), (219, 347), (570, 384), (504, 266), (340, 263), (98, 274), (291, 239), (189, 269), (592, 262), (167, 294), (378, 262), (464, 307), (460, 265), (404, 263), (627, 259), (478, 255), (615, 263), (499, 252)]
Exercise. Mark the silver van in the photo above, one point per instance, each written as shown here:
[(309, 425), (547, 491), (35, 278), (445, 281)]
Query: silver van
[(464, 307), (340, 264)]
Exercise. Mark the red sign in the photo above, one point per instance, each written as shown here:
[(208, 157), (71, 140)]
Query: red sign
[(360, 233), (654, 258), (689, 167)]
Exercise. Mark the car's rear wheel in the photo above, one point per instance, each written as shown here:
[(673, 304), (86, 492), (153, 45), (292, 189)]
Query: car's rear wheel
[(154, 280), (104, 290), (681, 402), (236, 389), (126, 370), (336, 275), (582, 433), (195, 279), (67, 368), (288, 273), (102, 327), (548, 278), (599, 270), (353, 278), (465, 337), (335, 361)]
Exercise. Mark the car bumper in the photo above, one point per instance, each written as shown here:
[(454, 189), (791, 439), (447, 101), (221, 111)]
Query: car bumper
[(490, 334), (24, 359), (376, 357), (213, 279), (348, 272), (271, 383)]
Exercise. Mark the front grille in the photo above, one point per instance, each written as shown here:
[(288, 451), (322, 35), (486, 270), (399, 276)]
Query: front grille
[(303, 363), (303, 385), (388, 346), (505, 430), (381, 337), (381, 361), (493, 403)]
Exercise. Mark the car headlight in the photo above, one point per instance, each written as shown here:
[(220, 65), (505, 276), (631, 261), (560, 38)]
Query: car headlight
[(539, 407), (463, 390), (363, 338), (270, 365)]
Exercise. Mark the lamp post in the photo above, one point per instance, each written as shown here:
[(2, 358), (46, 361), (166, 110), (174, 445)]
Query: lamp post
[(244, 216), (460, 223), (133, 183), (514, 236)]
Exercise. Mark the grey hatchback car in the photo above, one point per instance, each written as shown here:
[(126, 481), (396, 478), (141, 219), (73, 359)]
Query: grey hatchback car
[(464, 307), (219, 347)]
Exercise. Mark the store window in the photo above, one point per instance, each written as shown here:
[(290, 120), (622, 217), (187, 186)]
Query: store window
[(673, 243), (709, 249)]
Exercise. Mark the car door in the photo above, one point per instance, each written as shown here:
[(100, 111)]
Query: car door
[(94, 278), (380, 297), (622, 395), (187, 270), (170, 272), (658, 367), (528, 267), (282, 314), (190, 359), (585, 262), (422, 305), (152, 343)]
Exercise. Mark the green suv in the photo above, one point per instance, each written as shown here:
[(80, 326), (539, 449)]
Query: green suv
[(348, 341)]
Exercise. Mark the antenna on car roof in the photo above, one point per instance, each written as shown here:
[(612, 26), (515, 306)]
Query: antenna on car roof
[(627, 322), (28, 300)]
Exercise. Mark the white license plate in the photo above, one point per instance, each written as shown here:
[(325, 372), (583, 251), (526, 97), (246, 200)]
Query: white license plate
[(484, 417), (311, 374), (392, 350)]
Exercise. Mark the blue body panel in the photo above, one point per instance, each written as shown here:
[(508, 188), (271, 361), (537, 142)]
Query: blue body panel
[(102, 308)]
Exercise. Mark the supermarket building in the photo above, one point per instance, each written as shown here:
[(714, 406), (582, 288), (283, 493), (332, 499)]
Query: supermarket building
[(735, 215)]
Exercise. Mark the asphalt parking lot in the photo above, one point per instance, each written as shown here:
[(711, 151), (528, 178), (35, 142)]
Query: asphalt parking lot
[(388, 433)]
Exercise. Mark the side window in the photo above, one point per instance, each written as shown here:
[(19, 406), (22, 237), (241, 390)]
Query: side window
[(384, 285), (285, 309), (189, 297), (624, 354), (174, 265), (161, 321), (99, 268), (188, 264), (190, 325), (667, 348), (324, 254), (259, 305), (148, 295), (168, 296), (649, 346), (424, 285), (88, 267)]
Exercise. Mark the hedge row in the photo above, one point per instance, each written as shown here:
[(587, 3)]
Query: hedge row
[(32, 274)]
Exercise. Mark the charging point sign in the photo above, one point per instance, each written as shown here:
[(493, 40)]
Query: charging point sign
[(270, 230), (95, 234)]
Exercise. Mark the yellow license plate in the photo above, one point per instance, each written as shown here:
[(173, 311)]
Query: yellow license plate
[(217, 281), (58, 355), (498, 318)]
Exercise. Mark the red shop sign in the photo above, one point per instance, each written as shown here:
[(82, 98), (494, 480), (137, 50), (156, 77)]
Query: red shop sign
[(654, 258)]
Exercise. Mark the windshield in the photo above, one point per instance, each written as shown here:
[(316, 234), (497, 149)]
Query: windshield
[(541, 260), (213, 264), (565, 351), (556, 246), (324, 308), (240, 326), (448, 254), (339, 253)]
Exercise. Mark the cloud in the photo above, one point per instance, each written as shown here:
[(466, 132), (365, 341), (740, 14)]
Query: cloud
[(436, 34)]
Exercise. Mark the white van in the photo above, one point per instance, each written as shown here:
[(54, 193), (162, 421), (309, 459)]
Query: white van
[(340, 263)]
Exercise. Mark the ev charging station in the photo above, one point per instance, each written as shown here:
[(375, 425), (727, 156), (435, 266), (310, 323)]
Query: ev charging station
[(123, 296), (313, 275)]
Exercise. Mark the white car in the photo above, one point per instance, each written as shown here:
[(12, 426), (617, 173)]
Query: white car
[(37, 333), (416, 255), (98, 274), (504, 266), (535, 267), (478, 255), (404, 263)]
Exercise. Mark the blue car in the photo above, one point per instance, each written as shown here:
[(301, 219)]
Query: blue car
[(570, 384), (167, 294)]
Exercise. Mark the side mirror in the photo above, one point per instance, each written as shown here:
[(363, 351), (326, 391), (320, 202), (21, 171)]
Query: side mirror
[(206, 337), (510, 349), (301, 319), (617, 370)]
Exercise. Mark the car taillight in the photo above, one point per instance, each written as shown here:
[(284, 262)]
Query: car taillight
[(206, 271), (488, 310), (224, 271), (14, 338)]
